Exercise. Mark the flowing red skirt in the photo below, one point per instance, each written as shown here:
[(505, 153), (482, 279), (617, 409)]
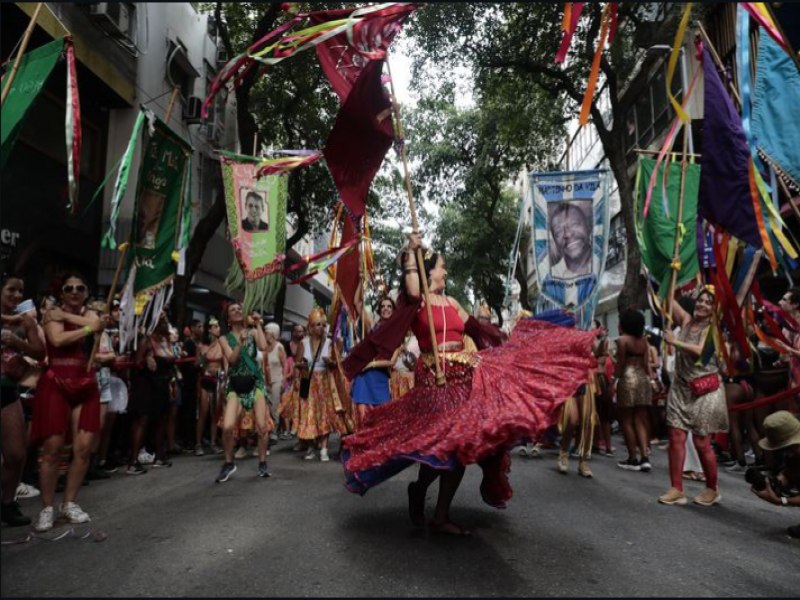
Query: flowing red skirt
[(513, 392), (59, 391)]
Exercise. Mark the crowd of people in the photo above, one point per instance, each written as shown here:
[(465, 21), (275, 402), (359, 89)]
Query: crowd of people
[(75, 409)]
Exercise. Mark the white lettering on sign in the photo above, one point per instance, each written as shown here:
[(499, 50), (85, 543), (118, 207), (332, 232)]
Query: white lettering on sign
[(8, 237)]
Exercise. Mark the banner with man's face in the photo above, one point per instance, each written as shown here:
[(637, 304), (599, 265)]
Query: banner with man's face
[(256, 209), (570, 234), (159, 211)]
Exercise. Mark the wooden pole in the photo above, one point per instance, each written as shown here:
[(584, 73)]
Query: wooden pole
[(171, 104), (676, 257), (718, 61), (123, 248), (26, 37), (440, 378), (656, 153)]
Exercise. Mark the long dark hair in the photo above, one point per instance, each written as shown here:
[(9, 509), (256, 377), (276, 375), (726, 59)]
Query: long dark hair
[(428, 264)]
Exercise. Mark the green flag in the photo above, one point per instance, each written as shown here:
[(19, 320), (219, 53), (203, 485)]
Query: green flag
[(160, 202), (656, 233), (34, 69)]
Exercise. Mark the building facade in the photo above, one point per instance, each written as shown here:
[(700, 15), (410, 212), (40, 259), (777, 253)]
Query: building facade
[(129, 55)]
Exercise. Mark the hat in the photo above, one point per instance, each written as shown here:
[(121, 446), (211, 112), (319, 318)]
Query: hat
[(783, 429)]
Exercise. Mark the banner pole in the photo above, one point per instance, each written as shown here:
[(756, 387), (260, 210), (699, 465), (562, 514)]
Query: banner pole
[(676, 257), (26, 37), (122, 249), (171, 104), (440, 378)]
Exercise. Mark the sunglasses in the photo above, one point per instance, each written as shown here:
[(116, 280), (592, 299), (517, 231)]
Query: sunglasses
[(69, 289)]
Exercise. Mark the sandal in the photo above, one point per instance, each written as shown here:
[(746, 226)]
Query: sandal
[(448, 528), (416, 505)]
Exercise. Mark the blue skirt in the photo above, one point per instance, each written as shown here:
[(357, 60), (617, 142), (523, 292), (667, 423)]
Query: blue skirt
[(371, 387)]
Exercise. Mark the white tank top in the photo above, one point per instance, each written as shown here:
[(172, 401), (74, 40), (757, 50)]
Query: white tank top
[(274, 364), (324, 353)]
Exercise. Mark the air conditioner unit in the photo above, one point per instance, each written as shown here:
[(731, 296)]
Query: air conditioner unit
[(115, 17), (192, 112), (214, 133), (222, 56)]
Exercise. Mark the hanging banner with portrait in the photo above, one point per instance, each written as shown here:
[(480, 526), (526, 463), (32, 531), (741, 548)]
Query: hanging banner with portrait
[(256, 209), (160, 227), (570, 238)]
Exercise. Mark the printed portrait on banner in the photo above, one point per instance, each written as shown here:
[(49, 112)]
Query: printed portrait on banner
[(570, 238), (570, 233), (150, 209), (254, 209)]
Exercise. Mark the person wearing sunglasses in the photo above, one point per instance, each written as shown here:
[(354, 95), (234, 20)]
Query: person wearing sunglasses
[(371, 387), (67, 397)]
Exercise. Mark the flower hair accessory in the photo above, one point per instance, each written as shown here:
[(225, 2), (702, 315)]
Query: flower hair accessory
[(213, 321), (428, 253)]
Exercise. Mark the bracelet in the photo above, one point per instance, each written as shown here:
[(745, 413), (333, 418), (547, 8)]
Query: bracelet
[(87, 331), (411, 270)]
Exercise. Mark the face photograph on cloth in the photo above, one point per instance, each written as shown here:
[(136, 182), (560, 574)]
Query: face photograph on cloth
[(255, 210), (151, 206), (570, 247)]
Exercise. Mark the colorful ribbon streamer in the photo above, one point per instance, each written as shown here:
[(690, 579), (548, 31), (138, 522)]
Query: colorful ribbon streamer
[(762, 15), (572, 13), (74, 133), (673, 61), (588, 97)]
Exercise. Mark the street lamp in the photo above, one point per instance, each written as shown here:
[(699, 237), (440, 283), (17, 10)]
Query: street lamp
[(665, 49)]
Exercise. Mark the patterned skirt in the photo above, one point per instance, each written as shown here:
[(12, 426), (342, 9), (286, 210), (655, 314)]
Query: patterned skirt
[(400, 383), (492, 399), (326, 410)]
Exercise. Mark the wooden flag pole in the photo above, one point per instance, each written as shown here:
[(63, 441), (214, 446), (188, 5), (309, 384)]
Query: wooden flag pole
[(171, 104), (440, 378), (123, 248), (26, 37), (676, 257)]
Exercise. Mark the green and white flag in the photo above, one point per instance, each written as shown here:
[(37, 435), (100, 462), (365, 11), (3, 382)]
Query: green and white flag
[(159, 232), (34, 70)]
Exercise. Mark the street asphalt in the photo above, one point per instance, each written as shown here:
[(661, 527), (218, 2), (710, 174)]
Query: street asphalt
[(174, 532)]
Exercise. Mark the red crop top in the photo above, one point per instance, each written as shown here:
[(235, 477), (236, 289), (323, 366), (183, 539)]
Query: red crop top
[(442, 315)]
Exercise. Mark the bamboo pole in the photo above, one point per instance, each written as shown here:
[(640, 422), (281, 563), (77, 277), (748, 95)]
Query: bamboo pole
[(171, 104), (676, 257), (26, 37), (656, 153), (123, 248), (718, 61), (440, 378)]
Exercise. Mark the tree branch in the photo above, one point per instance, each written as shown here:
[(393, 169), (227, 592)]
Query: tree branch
[(564, 83)]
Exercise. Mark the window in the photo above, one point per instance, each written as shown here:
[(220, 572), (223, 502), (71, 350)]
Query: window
[(616, 243), (180, 71)]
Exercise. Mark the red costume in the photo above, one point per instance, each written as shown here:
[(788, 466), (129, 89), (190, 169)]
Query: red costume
[(492, 399), (64, 386)]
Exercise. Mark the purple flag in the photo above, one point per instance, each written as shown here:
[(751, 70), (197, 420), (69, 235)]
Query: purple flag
[(724, 196)]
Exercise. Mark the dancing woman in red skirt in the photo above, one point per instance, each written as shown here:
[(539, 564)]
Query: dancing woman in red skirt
[(491, 399)]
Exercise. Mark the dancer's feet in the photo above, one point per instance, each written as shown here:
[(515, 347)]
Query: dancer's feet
[(416, 504), (448, 528)]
